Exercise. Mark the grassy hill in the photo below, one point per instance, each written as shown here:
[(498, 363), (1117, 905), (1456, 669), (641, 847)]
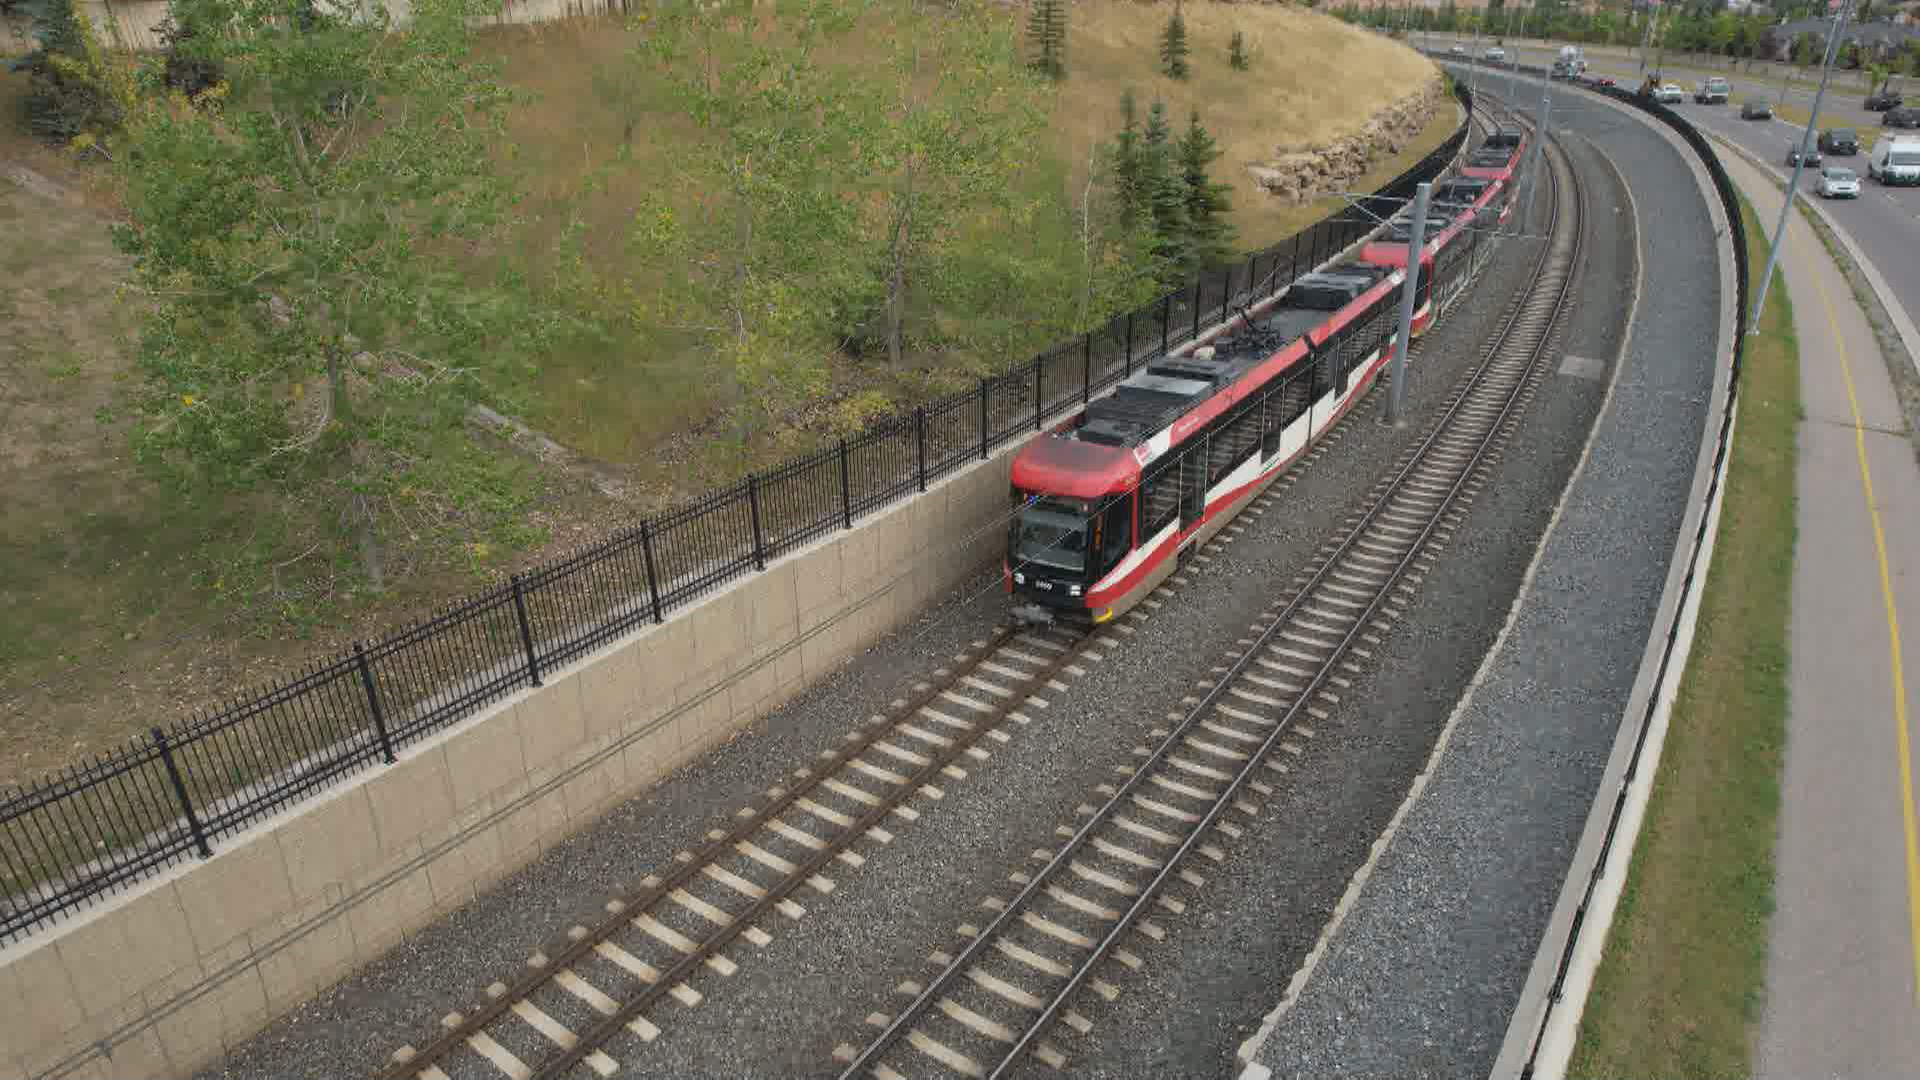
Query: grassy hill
[(111, 619)]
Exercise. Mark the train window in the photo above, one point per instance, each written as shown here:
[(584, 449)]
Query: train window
[(1112, 534), (1159, 496), (1052, 531)]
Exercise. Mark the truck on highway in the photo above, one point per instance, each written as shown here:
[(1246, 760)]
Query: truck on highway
[(1570, 62), (1713, 91)]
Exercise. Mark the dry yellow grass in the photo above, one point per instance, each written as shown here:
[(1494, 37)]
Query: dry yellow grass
[(1312, 80)]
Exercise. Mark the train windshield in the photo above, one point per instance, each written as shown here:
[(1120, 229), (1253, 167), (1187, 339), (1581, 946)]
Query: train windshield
[(1052, 532)]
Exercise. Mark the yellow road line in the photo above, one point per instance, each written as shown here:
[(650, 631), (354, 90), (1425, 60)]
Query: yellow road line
[(1893, 637)]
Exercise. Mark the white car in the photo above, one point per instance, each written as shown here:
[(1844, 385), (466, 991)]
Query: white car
[(1837, 183), (1495, 53), (1669, 94), (1458, 49)]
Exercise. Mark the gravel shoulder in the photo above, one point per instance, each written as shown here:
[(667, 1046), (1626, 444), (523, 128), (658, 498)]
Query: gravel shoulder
[(1422, 976), (793, 1001)]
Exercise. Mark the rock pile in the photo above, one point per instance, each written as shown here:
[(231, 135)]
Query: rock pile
[(1301, 174)]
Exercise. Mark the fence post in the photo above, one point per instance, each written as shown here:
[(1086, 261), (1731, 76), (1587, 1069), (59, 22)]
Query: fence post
[(1166, 320), (920, 437), (1039, 410), (1293, 264), (983, 420), (653, 576), (1126, 354), (526, 632), (1199, 284), (373, 701), (180, 790), (846, 488), (1086, 368), (753, 515)]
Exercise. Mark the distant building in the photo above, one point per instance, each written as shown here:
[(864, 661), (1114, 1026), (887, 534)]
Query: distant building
[(1877, 39)]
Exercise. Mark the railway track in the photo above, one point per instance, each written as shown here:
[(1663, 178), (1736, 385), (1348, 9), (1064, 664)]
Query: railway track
[(596, 983), (1088, 905), (577, 999)]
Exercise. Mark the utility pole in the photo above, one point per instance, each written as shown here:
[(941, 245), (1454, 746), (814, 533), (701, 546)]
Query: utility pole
[(1537, 154), (1793, 185), (1646, 39), (1396, 386)]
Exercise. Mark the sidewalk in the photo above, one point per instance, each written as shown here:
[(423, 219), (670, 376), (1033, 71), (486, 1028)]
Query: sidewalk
[(1842, 997)]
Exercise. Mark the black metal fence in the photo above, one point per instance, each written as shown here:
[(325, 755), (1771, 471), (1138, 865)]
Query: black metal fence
[(97, 827)]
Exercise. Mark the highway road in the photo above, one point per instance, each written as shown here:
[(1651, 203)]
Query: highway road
[(1844, 102), (1884, 222)]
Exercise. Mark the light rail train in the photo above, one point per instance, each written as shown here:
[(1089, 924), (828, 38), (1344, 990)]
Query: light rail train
[(1109, 502)]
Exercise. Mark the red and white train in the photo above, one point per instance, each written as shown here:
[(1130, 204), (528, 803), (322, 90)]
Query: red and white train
[(1108, 502)]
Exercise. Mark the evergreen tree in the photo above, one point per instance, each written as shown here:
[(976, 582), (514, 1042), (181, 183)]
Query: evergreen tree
[(1129, 190), (1047, 33), (1165, 188), (1237, 52), (1173, 46), (1209, 235)]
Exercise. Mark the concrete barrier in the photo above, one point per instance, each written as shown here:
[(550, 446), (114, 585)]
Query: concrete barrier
[(161, 981)]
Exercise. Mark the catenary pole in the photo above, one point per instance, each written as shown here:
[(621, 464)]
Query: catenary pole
[(1799, 165), (1536, 153), (1396, 386)]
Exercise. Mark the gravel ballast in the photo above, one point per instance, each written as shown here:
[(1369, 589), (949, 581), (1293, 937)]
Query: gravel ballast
[(793, 1001), (1424, 974)]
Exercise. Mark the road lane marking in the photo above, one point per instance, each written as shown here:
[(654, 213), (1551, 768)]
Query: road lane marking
[(1902, 740)]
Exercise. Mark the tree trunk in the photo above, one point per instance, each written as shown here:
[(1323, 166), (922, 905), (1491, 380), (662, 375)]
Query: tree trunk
[(896, 295)]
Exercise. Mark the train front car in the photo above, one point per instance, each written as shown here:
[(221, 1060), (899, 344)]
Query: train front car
[(1072, 524)]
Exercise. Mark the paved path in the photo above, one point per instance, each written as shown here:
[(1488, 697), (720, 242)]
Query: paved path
[(1842, 1000)]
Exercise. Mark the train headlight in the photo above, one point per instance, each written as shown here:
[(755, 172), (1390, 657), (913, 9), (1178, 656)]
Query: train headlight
[(1074, 591), (1019, 579)]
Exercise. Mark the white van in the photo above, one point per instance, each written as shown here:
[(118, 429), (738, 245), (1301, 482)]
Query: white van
[(1895, 161)]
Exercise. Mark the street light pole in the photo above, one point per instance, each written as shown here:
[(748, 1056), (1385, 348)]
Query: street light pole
[(1396, 387), (1799, 165)]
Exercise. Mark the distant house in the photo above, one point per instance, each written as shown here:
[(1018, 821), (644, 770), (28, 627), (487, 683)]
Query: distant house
[(1878, 40)]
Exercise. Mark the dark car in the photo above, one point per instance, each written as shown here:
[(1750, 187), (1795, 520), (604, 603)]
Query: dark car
[(1793, 156), (1882, 101), (1839, 142), (1753, 109), (1901, 118)]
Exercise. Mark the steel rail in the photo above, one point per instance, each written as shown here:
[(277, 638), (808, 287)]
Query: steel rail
[(565, 953), (1042, 879)]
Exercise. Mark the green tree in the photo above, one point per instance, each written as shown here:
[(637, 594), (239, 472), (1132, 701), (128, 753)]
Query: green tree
[(775, 256), (1173, 45), (945, 149), (75, 91), (305, 337), (1129, 180), (1047, 36), (1237, 52), (1166, 192), (1209, 234)]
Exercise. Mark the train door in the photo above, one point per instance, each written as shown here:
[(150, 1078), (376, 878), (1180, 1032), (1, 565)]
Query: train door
[(1193, 483)]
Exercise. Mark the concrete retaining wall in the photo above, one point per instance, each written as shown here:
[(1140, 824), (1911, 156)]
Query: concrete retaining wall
[(192, 962)]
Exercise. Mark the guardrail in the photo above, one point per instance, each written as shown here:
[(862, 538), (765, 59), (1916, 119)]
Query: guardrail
[(1723, 439), (98, 827)]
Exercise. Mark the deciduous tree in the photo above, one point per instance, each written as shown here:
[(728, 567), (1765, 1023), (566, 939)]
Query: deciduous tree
[(1237, 52), (306, 336)]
